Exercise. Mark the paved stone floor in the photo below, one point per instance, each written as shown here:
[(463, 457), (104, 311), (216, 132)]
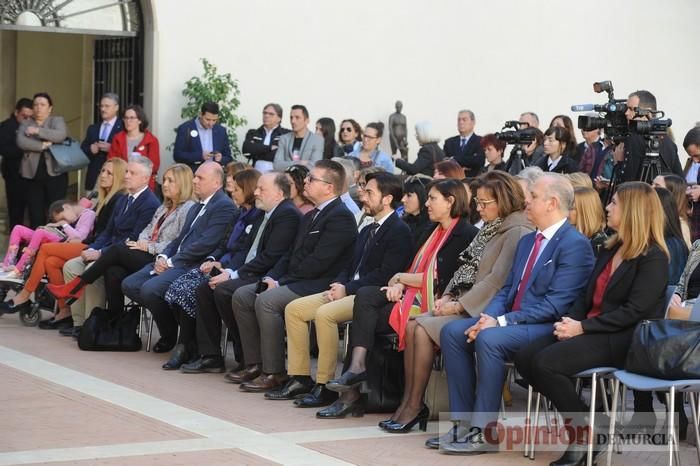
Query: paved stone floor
[(59, 405)]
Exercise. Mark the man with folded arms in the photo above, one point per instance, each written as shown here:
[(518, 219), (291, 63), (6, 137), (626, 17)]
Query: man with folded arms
[(550, 269), (270, 238), (322, 249), (382, 249)]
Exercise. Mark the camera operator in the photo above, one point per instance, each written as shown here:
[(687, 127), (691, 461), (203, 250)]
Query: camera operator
[(531, 153), (635, 145), (691, 144)]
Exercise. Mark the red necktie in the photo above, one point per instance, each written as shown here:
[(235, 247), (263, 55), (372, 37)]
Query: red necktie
[(522, 287)]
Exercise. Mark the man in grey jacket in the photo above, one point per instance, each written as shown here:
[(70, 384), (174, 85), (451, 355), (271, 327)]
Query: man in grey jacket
[(301, 146)]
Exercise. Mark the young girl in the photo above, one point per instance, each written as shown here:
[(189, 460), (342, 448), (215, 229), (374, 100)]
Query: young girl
[(64, 214)]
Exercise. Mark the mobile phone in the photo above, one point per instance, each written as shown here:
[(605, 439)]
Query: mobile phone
[(260, 287), (214, 272)]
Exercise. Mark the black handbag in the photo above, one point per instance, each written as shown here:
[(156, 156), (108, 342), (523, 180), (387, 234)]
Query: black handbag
[(68, 156), (665, 349), (385, 376), (108, 331)]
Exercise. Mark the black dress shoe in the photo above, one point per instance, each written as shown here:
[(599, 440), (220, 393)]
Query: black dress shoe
[(294, 388), (66, 332), (319, 396), (459, 430), (573, 456), (163, 346), (53, 324), (178, 357), (211, 364), (339, 409), (76, 331), (9, 307), (346, 381), (421, 419), (473, 444)]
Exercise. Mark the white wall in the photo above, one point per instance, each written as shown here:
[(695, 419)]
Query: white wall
[(497, 57)]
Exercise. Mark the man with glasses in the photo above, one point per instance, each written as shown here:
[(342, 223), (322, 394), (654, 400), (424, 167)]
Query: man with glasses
[(301, 146), (322, 249), (202, 139), (99, 137), (260, 145)]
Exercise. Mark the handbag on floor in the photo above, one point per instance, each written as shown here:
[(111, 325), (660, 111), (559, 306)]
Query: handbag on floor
[(436, 392), (107, 331), (385, 377), (665, 349)]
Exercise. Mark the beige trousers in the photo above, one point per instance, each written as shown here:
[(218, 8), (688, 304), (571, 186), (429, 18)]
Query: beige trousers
[(93, 296)]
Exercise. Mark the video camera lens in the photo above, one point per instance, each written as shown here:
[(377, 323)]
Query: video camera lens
[(657, 127), (521, 136), (591, 123)]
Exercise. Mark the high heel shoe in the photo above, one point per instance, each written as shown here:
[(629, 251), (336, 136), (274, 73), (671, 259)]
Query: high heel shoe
[(73, 289), (385, 422), (421, 419)]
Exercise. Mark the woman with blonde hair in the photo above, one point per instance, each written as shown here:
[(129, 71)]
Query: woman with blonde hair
[(597, 330), (588, 217), (580, 180), (120, 260), (52, 256)]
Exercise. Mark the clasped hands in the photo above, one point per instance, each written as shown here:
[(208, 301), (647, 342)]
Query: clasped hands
[(336, 292), (485, 321), (567, 328)]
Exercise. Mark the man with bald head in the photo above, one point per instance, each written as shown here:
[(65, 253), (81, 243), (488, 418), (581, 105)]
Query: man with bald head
[(205, 227), (550, 269)]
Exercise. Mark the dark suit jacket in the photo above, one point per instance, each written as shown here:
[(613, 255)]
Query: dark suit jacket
[(127, 225), (92, 136), (253, 146), (565, 165), (635, 149), (10, 153), (103, 217), (471, 156), (188, 148), (388, 254), (636, 291), (448, 256), (277, 238), (198, 241), (322, 248), (425, 160), (556, 280)]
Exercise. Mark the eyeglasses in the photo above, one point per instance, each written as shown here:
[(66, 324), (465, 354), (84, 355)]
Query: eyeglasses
[(366, 136), (130, 118), (312, 178), (483, 202), (346, 129)]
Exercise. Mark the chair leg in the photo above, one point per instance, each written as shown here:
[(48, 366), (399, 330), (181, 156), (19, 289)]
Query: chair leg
[(696, 422), (613, 419), (346, 339), (141, 317), (528, 423), (591, 420), (604, 394), (150, 335), (224, 345), (672, 447), (533, 433)]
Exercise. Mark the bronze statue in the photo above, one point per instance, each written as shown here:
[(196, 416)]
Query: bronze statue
[(397, 132)]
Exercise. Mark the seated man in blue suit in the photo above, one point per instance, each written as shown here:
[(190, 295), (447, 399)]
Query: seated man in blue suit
[(550, 269), (202, 139), (205, 227)]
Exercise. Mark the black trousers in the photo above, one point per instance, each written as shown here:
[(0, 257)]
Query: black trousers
[(40, 193), (15, 192), (370, 316), (215, 306), (115, 264), (549, 366)]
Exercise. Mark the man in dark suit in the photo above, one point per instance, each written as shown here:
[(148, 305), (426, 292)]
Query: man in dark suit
[(11, 159), (322, 249), (465, 148), (202, 139), (205, 227), (260, 145), (98, 137), (382, 249), (550, 270), (130, 216), (269, 239)]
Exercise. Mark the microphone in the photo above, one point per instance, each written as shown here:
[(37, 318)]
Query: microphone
[(583, 108)]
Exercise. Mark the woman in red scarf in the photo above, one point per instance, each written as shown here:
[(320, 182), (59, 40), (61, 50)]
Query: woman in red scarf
[(388, 309)]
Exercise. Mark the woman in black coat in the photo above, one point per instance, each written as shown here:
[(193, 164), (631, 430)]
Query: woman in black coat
[(428, 155), (628, 285)]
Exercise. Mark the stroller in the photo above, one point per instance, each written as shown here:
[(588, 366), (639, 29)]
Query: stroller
[(42, 298)]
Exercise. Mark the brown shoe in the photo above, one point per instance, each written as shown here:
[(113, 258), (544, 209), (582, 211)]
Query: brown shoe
[(245, 375), (265, 382)]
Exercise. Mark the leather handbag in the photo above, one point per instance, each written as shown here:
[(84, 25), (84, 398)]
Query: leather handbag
[(68, 156), (665, 349), (108, 331), (436, 392)]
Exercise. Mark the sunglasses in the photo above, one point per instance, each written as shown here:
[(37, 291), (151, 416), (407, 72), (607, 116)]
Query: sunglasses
[(346, 129)]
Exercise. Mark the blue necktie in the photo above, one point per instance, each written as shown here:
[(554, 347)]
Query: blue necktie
[(462, 143), (129, 202), (105, 132)]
